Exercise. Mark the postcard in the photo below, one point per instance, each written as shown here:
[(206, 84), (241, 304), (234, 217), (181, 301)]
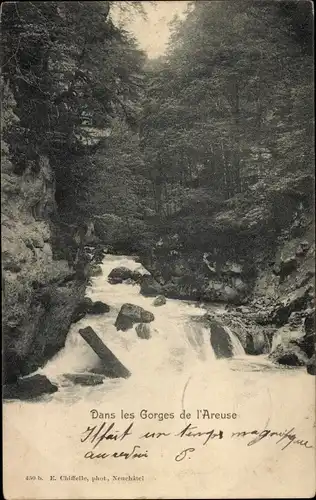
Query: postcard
[(158, 250)]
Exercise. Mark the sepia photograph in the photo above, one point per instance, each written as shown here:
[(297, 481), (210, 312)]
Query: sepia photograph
[(158, 249)]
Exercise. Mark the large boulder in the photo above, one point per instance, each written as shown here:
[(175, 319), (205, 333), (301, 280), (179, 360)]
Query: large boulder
[(257, 343), (149, 287), (120, 274), (87, 306), (81, 309), (130, 314), (288, 354), (172, 290), (221, 340), (143, 331), (98, 307), (29, 388), (160, 300)]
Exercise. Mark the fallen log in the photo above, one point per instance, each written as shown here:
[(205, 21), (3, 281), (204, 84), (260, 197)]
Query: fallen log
[(112, 367)]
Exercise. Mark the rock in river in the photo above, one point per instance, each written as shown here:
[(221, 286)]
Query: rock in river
[(86, 306), (98, 307), (120, 274), (29, 388), (143, 331), (221, 340), (130, 314), (160, 300), (288, 354), (85, 378), (149, 287)]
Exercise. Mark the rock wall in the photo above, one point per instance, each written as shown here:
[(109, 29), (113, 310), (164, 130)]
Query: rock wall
[(39, 292)]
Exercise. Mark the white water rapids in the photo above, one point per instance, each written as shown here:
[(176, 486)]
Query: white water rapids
[(175, 369), (178, 346)]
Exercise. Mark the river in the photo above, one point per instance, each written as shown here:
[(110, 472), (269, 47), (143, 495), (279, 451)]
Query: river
[(175, 370)]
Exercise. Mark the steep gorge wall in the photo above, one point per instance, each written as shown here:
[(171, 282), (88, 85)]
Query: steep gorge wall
[(39, 292)]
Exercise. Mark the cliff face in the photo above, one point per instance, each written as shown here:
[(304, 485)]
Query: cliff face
[(39, 293)]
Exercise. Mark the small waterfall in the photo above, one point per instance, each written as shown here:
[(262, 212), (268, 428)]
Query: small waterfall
[(223, 341), (238, 349)]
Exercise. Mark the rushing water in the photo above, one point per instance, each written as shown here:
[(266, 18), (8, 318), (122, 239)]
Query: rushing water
[(175, 369), (178, 345)]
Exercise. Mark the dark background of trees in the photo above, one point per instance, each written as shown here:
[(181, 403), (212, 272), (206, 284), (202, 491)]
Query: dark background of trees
[(150, 147)]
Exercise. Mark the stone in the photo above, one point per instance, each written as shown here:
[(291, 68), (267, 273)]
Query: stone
[(295, 301), (86, 306), (29, 388), (160, 300), (143, 331), (130, 314), (82, 309), (288, 354), (96, 270), (120, 274), (178, 270), (256, 343), (149, 287), (129, 281), (98, 307), (112, 367), (220, 340), (311, 365), (85, 378)]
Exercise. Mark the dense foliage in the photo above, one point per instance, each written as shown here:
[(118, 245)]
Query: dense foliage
[(160, 146), (71, 72), (230, 107)]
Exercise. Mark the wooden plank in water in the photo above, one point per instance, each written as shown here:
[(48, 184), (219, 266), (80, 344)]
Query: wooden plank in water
[(112, 366)]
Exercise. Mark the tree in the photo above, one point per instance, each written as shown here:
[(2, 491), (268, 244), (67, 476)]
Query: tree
[(69, 83), (231, 104)]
